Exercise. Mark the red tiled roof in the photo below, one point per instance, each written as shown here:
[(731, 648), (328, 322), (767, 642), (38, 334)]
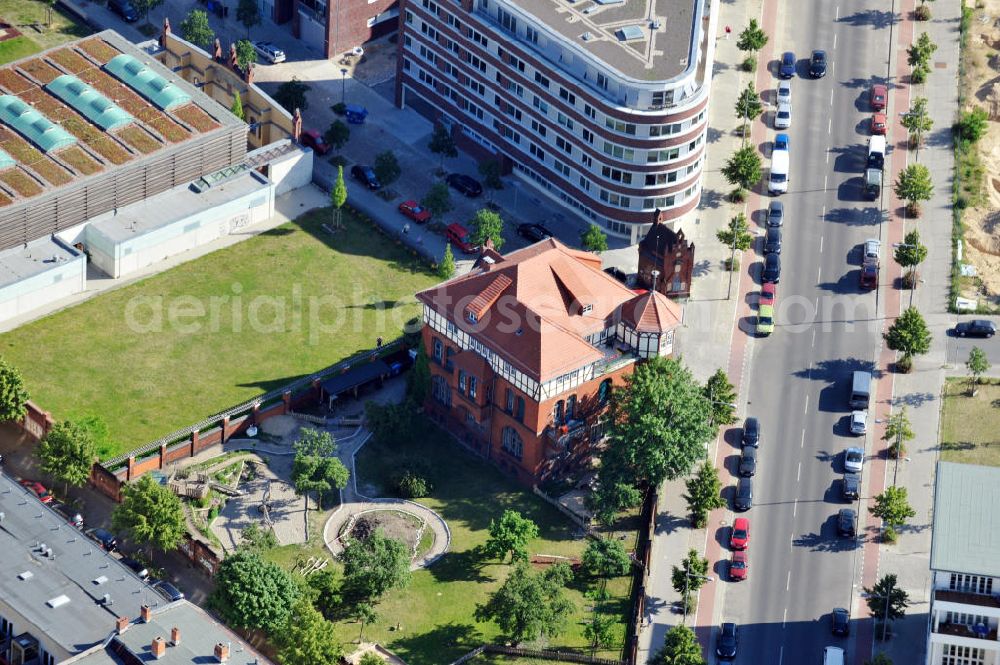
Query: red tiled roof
[(651, 312)]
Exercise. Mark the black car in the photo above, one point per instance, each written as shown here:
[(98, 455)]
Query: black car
[(977, 328), (817, 64), (534, 232), (168, 591), (366, 174), (727, 641), (772, 269), (787, 69), (124, 9), (743, 500), (850, 487), (840, 623), (136, 567), (772, 240), (748, 461), (465, 184), (751, 432), (104, 538), (847, 523), (775, 213), (618, 274)]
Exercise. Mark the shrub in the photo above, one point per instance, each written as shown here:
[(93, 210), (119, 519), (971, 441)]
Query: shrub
[(749, 63), (212, 514), (738, 195), (919, 74), (897, 450), (412, 485), (889, 535), (922, 13), (910, 279), (972, 125), (340, 108), (904, 365), (913, 209)]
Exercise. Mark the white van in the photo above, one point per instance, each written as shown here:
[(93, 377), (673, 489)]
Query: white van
[(876, 152), (833, 656), (777, 182)]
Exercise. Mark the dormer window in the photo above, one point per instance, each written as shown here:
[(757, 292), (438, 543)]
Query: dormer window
[(471, 316), (587, 309)]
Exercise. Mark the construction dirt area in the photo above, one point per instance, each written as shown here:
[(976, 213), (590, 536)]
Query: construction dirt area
[(982, 217)]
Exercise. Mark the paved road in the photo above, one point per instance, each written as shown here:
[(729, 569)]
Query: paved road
[(958, 348), (827, 328)]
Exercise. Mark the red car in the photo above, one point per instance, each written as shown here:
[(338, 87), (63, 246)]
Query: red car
[(879, 97), (879, 124), (739, 538), (767, 293), (459, 236), (310, 138), (415, 211), (869, 274), (38, 490), (739, 566)]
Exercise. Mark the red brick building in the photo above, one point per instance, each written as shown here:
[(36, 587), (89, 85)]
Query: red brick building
[(525, 349), (337, 26), (672, 256)]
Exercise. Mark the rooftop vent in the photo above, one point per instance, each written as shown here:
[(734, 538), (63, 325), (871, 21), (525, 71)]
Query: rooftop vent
[(25, 576), (106, 600), (58, 601), (654, 25), (629, 32), (586, 36)]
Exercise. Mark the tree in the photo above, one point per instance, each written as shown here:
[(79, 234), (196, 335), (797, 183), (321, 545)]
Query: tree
[(292, 94), (67, 453), (743, 169), (897, 599), (248, 13), (13, 394), (324, 589), (442, 144), (605, 557), (418, 382), (151, 514), (338, 196), (600, 632), (489, 171), (920, 52), (897, 433), (370, 658), (529, 605), (914, 184), (909, 335), (146, 6), (256, 538), (252, 593), (318, 443), (314, 468), (437, 199), (386, 167), (704, 493), (446, 269), (972, 124), (721, 396), (909, 254), (977, 364), (689, 576), (752, 39), (748, 106), (680, 647), (594, 239), (237, 107), (307, 638), (611, 496), (337, 134), (892, 506), (658, 426), (195, 29), (511, 533), (737, 235), (246, 56), (917, 120), (487, 224), (374, 565), (365, 614)]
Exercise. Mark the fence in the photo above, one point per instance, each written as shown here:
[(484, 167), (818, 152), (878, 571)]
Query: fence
[(36, 422), (640, 576), (566, 657)]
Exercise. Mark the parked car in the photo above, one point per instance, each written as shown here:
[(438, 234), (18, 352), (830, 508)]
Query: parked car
[(783, 116), (136, 567), (534, 232), (850, 486), (840, 621), (775, 213), (168, 591), (415, 211), (618, 274), (38, 490), (787, 68), (869, 274), (817, 64), (104, 538), (878, 97), (872, 248), (465, 184), (743, 501), (269, 52), (772, 269), (859, 422), (767, 294), (784, 92), (739, 536), (125, 9), (765, 320), (847, 523), (879, 124), (727, 642), (459, 236), (772, 240), (781, 140), (69, 513), (748, 461), (976, 328), (854, 459), (311, 138), (751, 432), (739, 566), (366, 175)]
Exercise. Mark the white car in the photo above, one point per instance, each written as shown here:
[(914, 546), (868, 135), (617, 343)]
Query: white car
[(269, 52), (859, 422), (872, 247), (854, 458), (784, 92), (783, 116)]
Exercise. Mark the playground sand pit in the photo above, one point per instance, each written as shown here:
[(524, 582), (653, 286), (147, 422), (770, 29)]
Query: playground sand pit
[(394, 524), (280, 426)]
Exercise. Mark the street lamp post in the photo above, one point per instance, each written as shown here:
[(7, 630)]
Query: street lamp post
[(343, 85), (687, 578), (913, 269)]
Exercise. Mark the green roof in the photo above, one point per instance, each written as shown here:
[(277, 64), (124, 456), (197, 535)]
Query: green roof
[(6, 161), (32, 125), (146, 82), (965, 537), (98, 109)]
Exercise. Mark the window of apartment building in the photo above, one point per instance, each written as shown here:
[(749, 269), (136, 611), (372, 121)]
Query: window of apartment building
[(586, 161), (477, 63), (428, 55), (588, 136), (620, 126), (604, 391), (953, 654), (660, 178), (449, 364), (565, 121), (965, 619), (429, 31), (440, 391), (617, 175), (567, 96), (516, 63), (663, 98), (541, 80), (658, 202), (597, 431), (409, 17), (507, 132), (655, 156), (438, 353), (509, 406), (589, 111), (584, 184), (512, 443), (558, 412), (621, 152), (430, 5), (602, 80), (473, 386), (461, 381), (537, 152), (561, 168), (476, 87), (694, 144), (426, 78), (507, 20), (538, 128), (692, 166), (665, 130), (540, 105), (519, 410), (453, 21), (531, 34), (615, 199), (480, 38), (971, 583), (406, 65), (564, 145), (570, 407)]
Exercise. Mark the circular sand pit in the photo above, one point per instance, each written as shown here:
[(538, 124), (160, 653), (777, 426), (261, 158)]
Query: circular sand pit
[(396, 524), (280, 426)]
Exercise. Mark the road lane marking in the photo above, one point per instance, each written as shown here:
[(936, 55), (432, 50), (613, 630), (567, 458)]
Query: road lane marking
[(814, 338), (821, 244), (784, 617), (795, 507), (838, 13), (788, 581), (835, 41), (819, 274), (802, 443), (798, 477), (829, 125), (826, 179), (831, 102), (806, 409), (781, 654)]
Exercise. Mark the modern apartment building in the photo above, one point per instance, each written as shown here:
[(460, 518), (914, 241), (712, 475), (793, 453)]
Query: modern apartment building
[(525, 349), (965, 566), (601, 104)]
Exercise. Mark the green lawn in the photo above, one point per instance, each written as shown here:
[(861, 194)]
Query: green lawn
[(111, 357), (32, 17), (970, 427), (435, 611), (16, 48)]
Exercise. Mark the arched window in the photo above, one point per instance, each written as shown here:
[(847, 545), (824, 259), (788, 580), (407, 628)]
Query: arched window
[(558, 412), (512, 443), (440, 390), (571, 407), (604, 391)]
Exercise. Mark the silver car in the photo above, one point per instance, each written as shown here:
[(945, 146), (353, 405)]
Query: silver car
[(854, 458), (783, 116), (269, 52), (872, 248), (859, 422), (784, 92)]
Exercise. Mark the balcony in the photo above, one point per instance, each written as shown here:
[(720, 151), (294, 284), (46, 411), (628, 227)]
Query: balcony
[(615, 356), (561, 436), (967, 598), (962, 630)]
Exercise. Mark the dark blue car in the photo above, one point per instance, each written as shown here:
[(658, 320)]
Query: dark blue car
[(787, 69)]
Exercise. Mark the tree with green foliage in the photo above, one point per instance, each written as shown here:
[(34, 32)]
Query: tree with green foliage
[(897, 433), (13, 394), (977, 364), (898, 599), (237, 107), (487, 224), (748, 107), (365, 614), (737, 235), (688, 577), (337, 134), (920, 52), (374, 565), (750, 41), (315, 442), (67, 453), (614, 493), (442, 144), (418, 381), (324, 587), (892, 506), (370, 658), (307, 637), (146, 6), (600, 632), (292, 95), (248, 13), (606, 557), (914, 184), (393, 424), (909, 335), (437, 200), (594, 239), (446, 269), (511, 533), (255, 537), (917, 120), (246, 56), (252, 593), (743, 169), (489, 172), (680, 647), (972, 124), (529, 605), (151, 514), (909, 254), (704, 493), (318, 474), (195, 29), (387, 168), (338, 197), (721, 396)]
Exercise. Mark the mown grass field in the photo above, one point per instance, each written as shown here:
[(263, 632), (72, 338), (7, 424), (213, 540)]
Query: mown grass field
[(41, 26), (970, 426)]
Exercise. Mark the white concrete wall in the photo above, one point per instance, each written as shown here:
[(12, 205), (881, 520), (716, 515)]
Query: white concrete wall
[(61, 281), (290, 171)]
